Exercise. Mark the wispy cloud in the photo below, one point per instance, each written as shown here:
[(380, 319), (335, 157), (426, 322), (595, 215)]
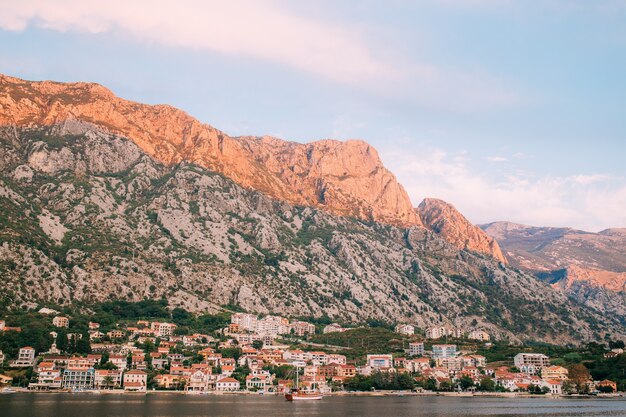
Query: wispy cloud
[(271, 31), (589, 202), (497, 159), (261, 29)]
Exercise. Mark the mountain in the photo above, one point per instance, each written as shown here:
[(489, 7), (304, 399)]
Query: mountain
[(345, 178), (590, 267), (445, 220), (103, 198)]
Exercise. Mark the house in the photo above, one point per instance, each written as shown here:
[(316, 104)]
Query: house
[(162, 329), (48, 377), (554, 372), (555, 386), (406, 329), (169, 381), (379, 361), (1, 358), (94, 325), (78, 378), (61, 321), (227, 384), (607, 383), (479, 335), (443, 351), (135, 381), (199, 380), (5, 380), (478, 361), (438, 332), (115, 334), (531, 363), (120, 361), (415, 349), (336, 358), (257, 382), (25, 358), (346, 371), (2, 325), (47, 311), (107, 379), (301, 328)]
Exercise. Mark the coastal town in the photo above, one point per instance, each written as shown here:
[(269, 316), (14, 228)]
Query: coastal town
[(262, 355)]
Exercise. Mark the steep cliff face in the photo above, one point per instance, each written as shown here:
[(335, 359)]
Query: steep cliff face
[(345, 178), (445, 220)]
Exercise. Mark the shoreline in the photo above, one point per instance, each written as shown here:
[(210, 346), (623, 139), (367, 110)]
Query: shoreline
[(503, 395)]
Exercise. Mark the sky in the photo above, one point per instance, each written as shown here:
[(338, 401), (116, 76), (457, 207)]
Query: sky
[(510, 110)]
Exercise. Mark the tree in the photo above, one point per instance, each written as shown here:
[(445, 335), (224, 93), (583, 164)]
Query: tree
[(487, 384), (257, 344), (616, 344), (107, 382), (605, 388), (579, 375), (466, 382)]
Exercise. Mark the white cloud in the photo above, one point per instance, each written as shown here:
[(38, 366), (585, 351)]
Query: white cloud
[(269, 30), (497, 159), (588, 202), (260, 29)]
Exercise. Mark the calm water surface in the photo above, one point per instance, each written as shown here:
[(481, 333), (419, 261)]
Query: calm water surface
[(89, 405)]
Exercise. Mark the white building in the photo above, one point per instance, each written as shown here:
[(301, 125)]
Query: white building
[(415, 349), (25, 358), (438, 332), (162, 329), (531, 363), (135, 380), (406, 329), (380, 361), (443, 351), (227, 384), (78, 378), (61, 321), (107, 379), (479, 335)]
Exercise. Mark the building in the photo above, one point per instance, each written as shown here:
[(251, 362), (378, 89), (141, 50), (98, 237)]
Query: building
[(135, 380), (1, 358), (301, 328), (162, 329), (555, 386), (47, 311), (48, 377), (380, 361), (25, 358), (61, 321), (108, 379), (443, 351), (415, 349), (115, 334), (227, 384), (479, 335), (607, 383), (438, 332), (406, 329), (245, 321), (531, 363), (94, 325), (78, 378), (2, 325), (554, 372), (257, 382)]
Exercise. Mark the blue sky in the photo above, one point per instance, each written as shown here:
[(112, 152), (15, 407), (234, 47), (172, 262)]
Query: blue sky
[(510, 110)]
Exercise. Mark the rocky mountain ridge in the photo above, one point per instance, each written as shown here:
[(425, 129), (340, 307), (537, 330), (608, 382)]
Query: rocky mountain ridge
[(88, 215), (445, 220)]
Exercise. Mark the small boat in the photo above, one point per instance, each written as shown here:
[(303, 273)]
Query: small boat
[(296, 394)]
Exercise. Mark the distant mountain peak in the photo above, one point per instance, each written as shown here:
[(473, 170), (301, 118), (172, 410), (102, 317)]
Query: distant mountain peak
[(444, 219)]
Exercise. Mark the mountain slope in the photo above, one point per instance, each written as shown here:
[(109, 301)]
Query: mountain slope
[(345, 178), (88, 216), (445, 220), (589, 267)]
